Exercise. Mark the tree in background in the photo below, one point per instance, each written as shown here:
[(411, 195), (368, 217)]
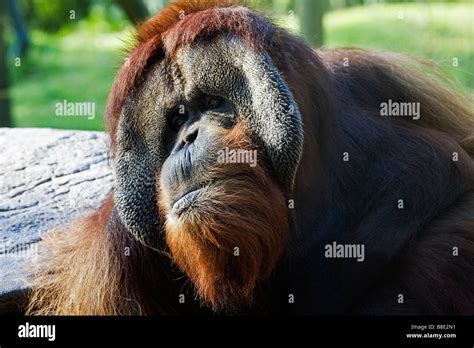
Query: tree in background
[(5, 117), (136, 10), (52, 15), (10, 8), (311, 14)]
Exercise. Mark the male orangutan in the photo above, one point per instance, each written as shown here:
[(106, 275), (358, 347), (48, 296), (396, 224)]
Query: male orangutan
[(349, 208)]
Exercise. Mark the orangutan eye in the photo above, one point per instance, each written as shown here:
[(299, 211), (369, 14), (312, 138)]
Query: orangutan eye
[(177, 121), (213, 102)]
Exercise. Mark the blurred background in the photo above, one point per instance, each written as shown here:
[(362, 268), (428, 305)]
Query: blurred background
[(55, 51)]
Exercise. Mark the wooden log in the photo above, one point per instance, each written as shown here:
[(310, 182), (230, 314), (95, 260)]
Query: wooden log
[(47, 179)]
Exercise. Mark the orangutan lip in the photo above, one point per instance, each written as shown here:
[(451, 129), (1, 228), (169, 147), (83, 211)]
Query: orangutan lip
[(183, 203)]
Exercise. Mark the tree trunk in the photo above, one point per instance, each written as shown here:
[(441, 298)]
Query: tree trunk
[(311, 15), (5, 116), (136, 10)]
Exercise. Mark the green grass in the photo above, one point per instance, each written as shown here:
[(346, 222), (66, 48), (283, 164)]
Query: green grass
[(439, 32), (77, 67), (81, 66)]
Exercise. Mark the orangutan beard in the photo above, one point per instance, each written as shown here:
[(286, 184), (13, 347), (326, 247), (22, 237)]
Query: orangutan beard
[(232, 236)]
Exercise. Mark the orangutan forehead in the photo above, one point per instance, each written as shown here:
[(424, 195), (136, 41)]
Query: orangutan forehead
[(250, 27), (210, 65)]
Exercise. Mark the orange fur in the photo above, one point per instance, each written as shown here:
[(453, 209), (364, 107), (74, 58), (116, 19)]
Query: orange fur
[(233, 212), (74, 261), (97, 269)]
